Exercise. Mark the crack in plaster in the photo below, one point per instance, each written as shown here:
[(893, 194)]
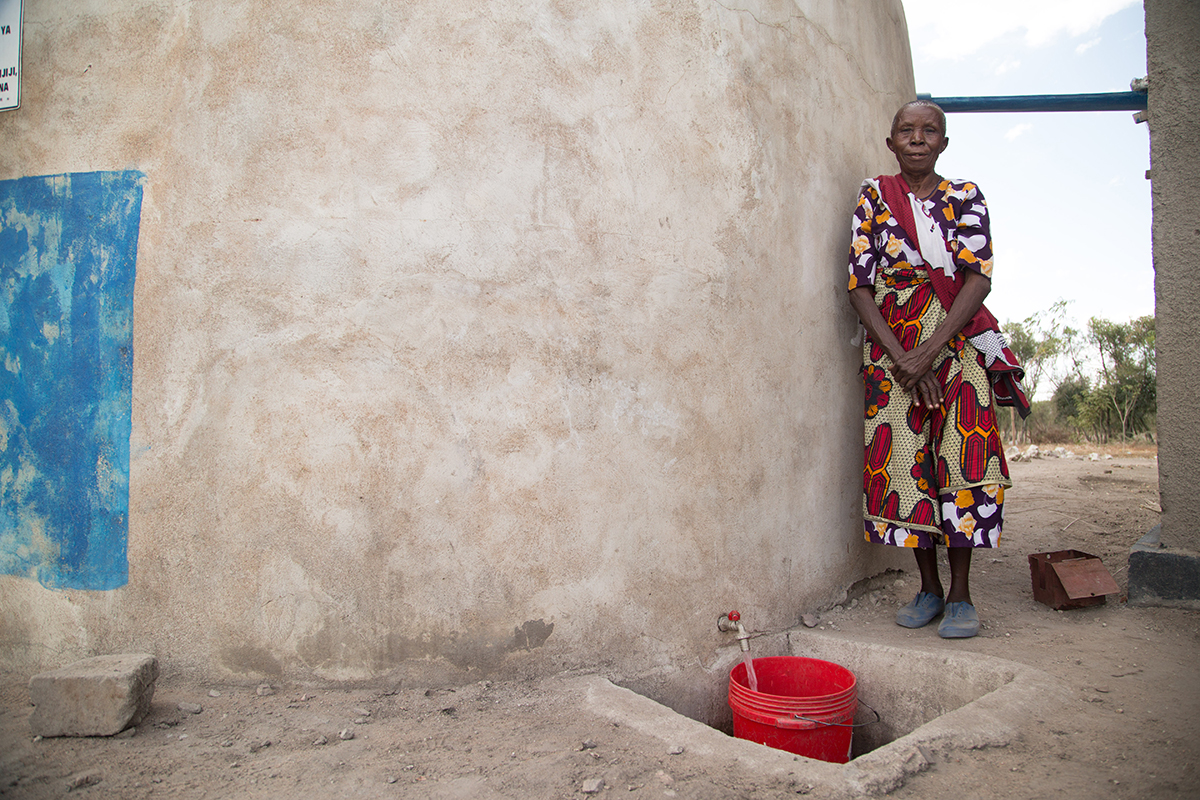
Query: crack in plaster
[(787, 29)]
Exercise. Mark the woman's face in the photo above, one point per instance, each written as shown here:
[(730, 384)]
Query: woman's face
[(917, 139)]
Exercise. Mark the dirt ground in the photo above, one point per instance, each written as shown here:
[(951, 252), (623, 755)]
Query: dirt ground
[(1133, 671)]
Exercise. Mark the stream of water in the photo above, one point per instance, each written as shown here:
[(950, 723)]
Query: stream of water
[(751, 678)]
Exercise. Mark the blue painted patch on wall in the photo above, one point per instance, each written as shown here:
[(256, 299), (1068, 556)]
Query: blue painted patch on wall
[(68, 251)]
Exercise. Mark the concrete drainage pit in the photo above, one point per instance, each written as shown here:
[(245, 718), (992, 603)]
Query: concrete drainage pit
[(929, 702)]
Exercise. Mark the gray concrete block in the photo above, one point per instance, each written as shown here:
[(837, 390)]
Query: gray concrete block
[(98, 696), (1163, 576)]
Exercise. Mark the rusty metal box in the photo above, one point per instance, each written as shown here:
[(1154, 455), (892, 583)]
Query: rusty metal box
[(1070, 579)]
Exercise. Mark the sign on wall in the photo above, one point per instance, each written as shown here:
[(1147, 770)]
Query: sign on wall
[(68, 248), (10, 54)]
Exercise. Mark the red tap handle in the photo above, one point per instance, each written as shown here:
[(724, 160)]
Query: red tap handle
[(734, 616)]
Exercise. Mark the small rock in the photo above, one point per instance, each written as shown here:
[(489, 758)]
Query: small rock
[(361, 721), (390, 779), (1094, 457), (190, 708), (227, 743), (676, 750), (360, 712), (449, 711), (588, 744), (254, 748), (320, 740), (593, 785), (345, 734), (264, 690), (80, 781), (810, 620), (213, 693)]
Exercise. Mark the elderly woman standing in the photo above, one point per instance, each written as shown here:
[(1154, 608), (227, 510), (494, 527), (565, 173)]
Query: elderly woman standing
[(934, 367)]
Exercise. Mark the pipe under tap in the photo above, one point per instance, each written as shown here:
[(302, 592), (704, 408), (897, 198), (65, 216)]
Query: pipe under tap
[(733, 622)]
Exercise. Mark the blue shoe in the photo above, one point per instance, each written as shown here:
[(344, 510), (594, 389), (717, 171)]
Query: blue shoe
[(921, 611), (960, 622)]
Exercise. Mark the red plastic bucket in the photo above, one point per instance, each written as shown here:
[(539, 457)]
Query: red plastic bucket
[(803, 705)]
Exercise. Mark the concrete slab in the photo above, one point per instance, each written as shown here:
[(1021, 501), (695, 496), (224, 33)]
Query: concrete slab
[(1008, 696), (1163, 576), (98, 696)]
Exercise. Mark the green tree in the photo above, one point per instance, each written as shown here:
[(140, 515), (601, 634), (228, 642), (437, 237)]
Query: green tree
[(1069, 397), (1037, 341), (1127, 371)]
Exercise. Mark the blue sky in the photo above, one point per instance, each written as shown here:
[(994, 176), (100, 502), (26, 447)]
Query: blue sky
[(1068, 196)]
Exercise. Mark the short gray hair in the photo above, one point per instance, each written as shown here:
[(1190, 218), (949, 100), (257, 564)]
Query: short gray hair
[(925, 104)]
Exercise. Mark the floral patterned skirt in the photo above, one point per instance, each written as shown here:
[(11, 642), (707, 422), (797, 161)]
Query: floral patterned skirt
[(929, 476)]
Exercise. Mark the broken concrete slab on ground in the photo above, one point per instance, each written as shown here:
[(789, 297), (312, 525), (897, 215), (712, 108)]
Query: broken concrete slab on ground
[(98, 696)]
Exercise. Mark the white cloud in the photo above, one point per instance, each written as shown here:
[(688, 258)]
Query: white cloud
[(960, 28), (1083, 48), (1017, 130), (1007, 66)]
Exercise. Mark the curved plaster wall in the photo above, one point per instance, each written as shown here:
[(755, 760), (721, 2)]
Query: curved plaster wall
[(470, 339)]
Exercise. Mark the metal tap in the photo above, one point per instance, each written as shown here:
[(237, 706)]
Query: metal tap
[(733, 622)]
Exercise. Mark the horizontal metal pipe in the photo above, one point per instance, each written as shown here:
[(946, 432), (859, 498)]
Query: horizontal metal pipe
[(1104, 101)]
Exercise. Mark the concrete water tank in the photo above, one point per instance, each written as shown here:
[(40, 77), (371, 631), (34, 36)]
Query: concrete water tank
[(469, 339)]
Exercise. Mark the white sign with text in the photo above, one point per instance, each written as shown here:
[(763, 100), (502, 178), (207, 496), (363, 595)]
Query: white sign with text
[(10, 53)]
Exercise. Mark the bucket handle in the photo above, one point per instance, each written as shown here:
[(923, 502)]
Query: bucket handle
[(796, 722)]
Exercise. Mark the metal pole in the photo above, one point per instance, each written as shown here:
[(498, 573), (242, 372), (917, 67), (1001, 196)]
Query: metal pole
[(1104, 101)]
